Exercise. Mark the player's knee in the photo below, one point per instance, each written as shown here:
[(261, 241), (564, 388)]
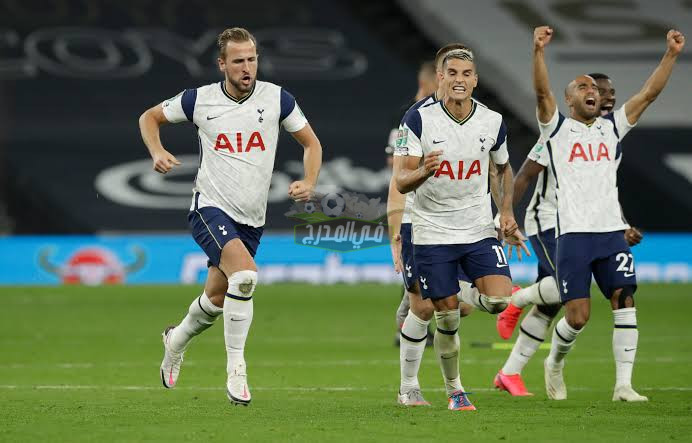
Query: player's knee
[(623, 297), (578, 319), (446, 339), (241, 284), (424, 311)]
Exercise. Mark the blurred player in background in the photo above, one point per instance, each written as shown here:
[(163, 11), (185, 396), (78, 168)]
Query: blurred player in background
[(540, 228), (447, 147), (583, 155), (237, 122)]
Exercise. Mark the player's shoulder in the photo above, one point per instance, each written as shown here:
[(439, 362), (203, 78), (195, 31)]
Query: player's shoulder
[(485, 113)]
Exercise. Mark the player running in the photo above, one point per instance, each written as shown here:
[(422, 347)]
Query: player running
[(414, 334), (583, 155), (540, 228), (448, 146), (237, 122)]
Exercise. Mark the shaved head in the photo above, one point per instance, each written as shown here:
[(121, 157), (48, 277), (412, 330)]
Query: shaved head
[(582, 97), (580, 80)]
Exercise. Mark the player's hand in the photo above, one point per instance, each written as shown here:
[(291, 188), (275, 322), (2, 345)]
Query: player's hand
[(633, 236), (164, 161), (676, 41), (396, 252), (516, 241), (542, 36), (508, 225), (301, 190), (431, 162)]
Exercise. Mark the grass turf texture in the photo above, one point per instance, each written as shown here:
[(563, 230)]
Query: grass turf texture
[(81, 364)]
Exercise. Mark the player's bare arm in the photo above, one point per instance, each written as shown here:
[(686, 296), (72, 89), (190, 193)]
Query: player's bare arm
[(635, 106), (508, 224), (527, 174), (150, 123), (395, 211), (302, 190), (413, 172), (495, 189), (545, 99)]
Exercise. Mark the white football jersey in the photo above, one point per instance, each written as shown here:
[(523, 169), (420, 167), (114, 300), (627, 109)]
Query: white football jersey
[(408, 204), (542, 210), (237, 144), (584, 161), (454, 205)]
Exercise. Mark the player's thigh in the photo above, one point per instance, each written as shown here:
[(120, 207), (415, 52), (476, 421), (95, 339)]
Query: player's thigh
[(216, 285), (573, 269), (616, 270), (436, 266), (485, 263), (409, 272), (235, 257), (423, 308)]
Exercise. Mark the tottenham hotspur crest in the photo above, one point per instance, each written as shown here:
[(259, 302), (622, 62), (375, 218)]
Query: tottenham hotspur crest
[(260, 111)]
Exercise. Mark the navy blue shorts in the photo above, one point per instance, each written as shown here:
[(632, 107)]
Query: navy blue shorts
[(409, 272), (212, 229), (543, 245), (605, 255), (438, 265)]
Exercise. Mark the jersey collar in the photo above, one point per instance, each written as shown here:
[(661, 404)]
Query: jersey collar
[(235, 100), (456, 120)]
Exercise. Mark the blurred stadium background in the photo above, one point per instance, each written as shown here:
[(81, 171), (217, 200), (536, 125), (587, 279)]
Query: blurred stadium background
[(79, 203)]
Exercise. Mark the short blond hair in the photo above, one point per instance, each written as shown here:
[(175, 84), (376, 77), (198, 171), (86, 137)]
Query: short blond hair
[(446, 49), (237, 35)]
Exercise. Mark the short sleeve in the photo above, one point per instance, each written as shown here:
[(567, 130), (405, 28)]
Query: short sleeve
[(408, 140), (619, 119), (499, 152), (181, 107), (548, 129), (291, 117), (539, 153)]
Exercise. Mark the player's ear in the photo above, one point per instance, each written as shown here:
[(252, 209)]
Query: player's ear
[(222, 64)]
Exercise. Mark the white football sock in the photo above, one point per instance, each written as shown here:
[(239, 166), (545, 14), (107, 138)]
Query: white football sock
[(564, 337), (200, 316), (543, 292), (414, 334), (625, 338), (237, 316), (447, 348), (532, 333)]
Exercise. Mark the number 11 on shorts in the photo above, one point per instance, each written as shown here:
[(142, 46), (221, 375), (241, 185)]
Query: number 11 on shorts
[(501, 259)]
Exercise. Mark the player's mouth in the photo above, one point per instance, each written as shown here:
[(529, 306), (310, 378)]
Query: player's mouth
[(590, 102), (246, 79), (460, 89), (607, 107)]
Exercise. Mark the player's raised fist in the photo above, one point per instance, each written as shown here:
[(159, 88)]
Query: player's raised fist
[(542, 36), (676, 41), (432, 162), (164, 161)]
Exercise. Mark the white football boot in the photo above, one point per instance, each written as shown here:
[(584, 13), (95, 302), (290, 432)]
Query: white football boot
[(414, 397), (554, 382), (237, 389), (170, 366), (626, 393)]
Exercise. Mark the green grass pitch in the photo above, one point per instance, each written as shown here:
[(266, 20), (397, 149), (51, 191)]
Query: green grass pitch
[(81, 364)]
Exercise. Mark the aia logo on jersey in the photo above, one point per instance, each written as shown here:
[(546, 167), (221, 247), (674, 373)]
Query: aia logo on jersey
[(578, 152), (446, 169), (223, 142)]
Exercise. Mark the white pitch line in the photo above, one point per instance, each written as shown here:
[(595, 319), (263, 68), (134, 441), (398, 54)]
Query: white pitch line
[(288, 388)]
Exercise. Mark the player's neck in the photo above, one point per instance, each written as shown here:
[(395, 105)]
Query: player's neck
[(233, 92), (460, 109), (580, 119)]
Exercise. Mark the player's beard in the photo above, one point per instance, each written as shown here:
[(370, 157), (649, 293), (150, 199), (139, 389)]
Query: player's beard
[(240, 87)]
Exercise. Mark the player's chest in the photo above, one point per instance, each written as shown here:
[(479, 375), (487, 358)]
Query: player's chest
[(584, 148), (468, 141)]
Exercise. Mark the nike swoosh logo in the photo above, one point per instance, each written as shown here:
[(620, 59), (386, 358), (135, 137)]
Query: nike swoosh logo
[(630, 349), (438, 141), (524, 355), (411, 361), (572, 130), (209, 117), (501, 266), (242, 319), (628, 274)]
